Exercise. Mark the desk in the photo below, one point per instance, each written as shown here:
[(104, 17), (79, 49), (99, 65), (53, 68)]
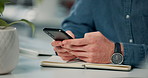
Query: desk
[(30, 68)]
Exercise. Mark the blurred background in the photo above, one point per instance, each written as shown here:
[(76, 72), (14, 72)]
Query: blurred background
[(43, 13)]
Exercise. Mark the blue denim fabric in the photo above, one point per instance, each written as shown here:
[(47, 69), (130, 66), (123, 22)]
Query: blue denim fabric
[(124, 21)]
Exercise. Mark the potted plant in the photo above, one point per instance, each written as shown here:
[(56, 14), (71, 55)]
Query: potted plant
[(9, 43)]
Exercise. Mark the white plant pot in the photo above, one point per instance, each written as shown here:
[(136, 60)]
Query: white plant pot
[(9, 49)]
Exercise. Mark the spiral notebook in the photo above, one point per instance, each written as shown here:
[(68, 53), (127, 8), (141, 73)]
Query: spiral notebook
[(57, 62)]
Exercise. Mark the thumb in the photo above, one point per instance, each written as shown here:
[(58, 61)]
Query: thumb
[(70, 33)]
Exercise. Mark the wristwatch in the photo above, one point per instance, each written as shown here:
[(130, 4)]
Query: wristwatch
[(117, 57)]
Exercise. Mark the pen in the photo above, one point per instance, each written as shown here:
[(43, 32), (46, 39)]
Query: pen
[(44, 55)]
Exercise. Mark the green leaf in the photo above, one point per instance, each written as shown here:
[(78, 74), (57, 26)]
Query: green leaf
[(1, 7), (3, 23), (27, 22), (30, 24)]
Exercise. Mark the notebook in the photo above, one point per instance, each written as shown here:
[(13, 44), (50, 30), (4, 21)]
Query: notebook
[(57, 62)]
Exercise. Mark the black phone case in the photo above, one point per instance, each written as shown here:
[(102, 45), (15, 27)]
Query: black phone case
[(57, 34)]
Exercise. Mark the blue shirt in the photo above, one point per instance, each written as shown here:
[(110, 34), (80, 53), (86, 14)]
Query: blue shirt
[(124, 21)]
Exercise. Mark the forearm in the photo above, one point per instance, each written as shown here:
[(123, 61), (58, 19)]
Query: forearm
[(78, 21), (135, 54)]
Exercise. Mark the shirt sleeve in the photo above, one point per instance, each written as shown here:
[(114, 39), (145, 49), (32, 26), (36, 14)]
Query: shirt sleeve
[(80, 19), (135, 54)]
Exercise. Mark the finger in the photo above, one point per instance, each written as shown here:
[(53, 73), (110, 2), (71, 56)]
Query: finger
[(76, 48), (80, 47), (70, 33), (81, 41), (67, 58), (79, 54), (60, 49), (56, 43), (63, 54)]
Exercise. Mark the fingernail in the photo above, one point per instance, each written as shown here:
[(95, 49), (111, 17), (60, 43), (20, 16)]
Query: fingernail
[(64, 42)]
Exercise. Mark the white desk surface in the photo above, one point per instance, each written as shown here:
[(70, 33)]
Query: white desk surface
[(30, 68)]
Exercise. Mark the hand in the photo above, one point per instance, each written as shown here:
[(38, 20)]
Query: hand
[(63, 52), (94, 48)]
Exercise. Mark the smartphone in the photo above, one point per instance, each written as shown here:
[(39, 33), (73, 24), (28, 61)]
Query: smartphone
[(57, 34)]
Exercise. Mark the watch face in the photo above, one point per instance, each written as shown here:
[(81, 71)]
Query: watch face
[(117, 58)]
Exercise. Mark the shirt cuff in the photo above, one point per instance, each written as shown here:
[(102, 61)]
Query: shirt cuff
[(134, 54)]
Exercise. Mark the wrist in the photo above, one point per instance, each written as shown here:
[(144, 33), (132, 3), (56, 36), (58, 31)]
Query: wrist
[(112, 49)]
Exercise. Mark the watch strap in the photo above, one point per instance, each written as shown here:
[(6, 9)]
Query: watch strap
[(117, 48)]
